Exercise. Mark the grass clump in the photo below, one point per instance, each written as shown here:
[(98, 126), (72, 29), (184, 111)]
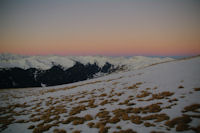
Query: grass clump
[(88, 117), (59, 131), (91, 124), (182, 120), (156, 117), (196, 89), (31, 127), (78, 109), (162, 95), (125, 131), (192, 108), (76, 131), (114, 120), (147, 124), (136, 119), (103, 129), (143, 94)]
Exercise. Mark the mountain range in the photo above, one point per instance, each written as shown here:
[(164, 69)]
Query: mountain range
[(19, 71)]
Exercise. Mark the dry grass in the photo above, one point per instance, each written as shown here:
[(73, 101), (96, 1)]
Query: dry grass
[(76, 120), (196, 89), (88, 117), (114, 120), (31, 127), (192, 108), (153, 108), (21, 121), (143, 94), (76, 131), (104, 102), (91, 124), (162, 95), (182, 120), (172, 100), (119, 127), (196, 129), (156, 117), (180, 87), (42, 128), (157, 132), (132, 87), (76, 110), (182, 127), (103, 114), (125, 116), (125, 131), (91, 103), (59, 131), (103, 129), (136, 119), (35, 119), (147, 124), (99, 124)]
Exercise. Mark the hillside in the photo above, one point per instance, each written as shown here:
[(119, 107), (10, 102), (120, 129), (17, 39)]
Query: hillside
[(158, 98)]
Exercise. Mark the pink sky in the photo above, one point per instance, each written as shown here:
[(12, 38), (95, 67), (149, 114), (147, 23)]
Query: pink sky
[(100, 28)]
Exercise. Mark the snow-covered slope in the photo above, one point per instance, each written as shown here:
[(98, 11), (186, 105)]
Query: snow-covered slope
[(46, 62), (158, 98)]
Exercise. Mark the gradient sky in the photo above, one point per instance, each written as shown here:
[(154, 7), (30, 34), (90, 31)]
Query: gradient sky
[(100, 27)]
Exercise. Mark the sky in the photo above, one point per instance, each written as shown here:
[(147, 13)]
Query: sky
[(100, 27)]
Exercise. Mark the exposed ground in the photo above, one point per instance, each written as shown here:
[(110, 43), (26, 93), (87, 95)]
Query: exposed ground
[(160, 98)]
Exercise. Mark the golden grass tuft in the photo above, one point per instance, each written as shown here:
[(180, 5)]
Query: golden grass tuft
[(21, 121), (114, 120), (103, 129), (76, 120), (192, 108), (31, 127), (153, 108), (76, 110), (157, 132), (172, 100), (132, 87), (104, 102), (162, 95), (180, 87), (99, 124), (59, 131), (156, 117), (196, 89), (182, 127), (103, 114), (147, 124), (143, 94), (88, 117), (119, 127), (42, 128), (136, 119), (178, 120), (125, 131), (196, 129), (76, 131), (125, 116), (91, 124), (103, 95)]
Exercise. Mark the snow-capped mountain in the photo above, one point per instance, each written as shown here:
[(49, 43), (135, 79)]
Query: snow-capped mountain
[(155, 99), (46, 62), (33, 71)]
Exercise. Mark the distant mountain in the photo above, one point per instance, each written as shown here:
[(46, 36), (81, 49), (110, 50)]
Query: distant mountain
[(34, 71)]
